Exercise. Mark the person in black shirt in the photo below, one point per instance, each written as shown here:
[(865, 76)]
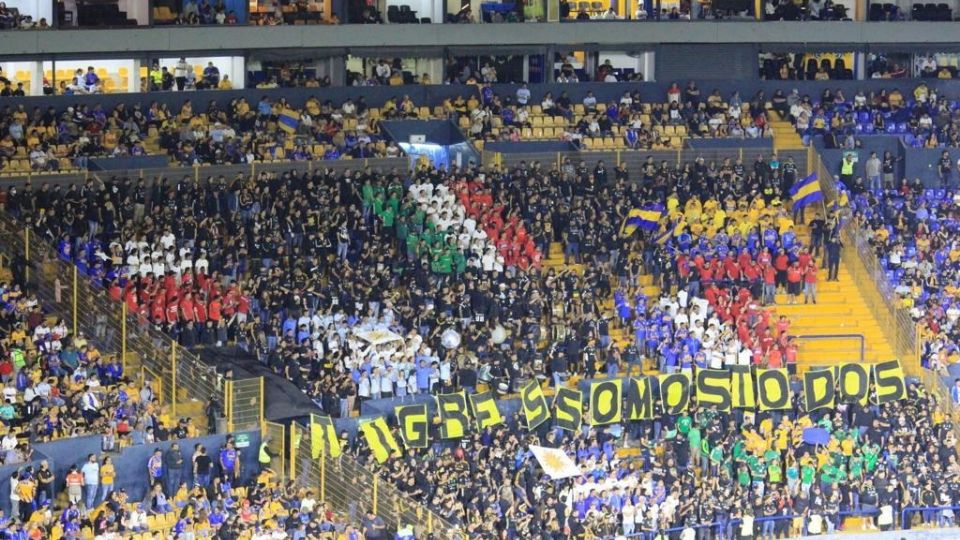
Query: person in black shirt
[(945, 169)]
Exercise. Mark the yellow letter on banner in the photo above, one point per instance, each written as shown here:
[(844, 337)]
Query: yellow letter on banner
[(323, 434), (819, 389), (414, 425), (453, 415), (773, 389), (567, 409), (485, 410), (742, 393), (713, 388), (534, 403), (854, 383), (640, 399), (674, 392), (605, 401), (378, 436), (889, 382)]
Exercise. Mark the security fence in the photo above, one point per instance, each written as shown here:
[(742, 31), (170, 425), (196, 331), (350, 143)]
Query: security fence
[(184, 384), (202, 172), (352, 489), (635, 158)]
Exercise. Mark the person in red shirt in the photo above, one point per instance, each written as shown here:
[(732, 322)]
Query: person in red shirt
[(186, 307), (774, 359), (810, 283), (790, 355), (781, 262), (794, 282), (173, 311), (766, 341), (243, 308), (214, 310), (769, 285)]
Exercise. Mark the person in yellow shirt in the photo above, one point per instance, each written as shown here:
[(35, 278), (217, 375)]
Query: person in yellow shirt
[(719, 218), (225, 83), (108, 475)]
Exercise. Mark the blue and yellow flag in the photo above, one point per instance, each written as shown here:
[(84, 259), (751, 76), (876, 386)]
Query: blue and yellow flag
[(662, 236), (646, 217), (289, 120), (806, 191)]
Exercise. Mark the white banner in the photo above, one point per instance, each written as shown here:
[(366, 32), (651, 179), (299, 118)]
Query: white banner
[(555, 462)]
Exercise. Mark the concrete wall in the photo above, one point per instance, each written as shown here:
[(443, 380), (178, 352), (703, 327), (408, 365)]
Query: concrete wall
[(131, 464), (608, 35)]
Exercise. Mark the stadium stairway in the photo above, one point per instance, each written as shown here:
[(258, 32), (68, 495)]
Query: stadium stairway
[(785, 136)]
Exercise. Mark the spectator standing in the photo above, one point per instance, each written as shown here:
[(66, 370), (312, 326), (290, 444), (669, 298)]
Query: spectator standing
[(955, 392), (201, 466), (173, 465), (91, 481), (229, 466), (373, 526), (833, 255), (873, 169), (74, 483), (155, 467), (108, 475), (180, 73)]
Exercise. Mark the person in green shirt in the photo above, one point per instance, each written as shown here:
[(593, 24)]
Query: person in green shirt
[(793, 475), (459, 263), (855, 465), (403, 227), (807, 474), (419, 217), (444, 263), (388, 215), (871, 453), (716, 458), (697, 458), (366, 196), (743, 476), (775, 471), (394, 202), (377, 204)]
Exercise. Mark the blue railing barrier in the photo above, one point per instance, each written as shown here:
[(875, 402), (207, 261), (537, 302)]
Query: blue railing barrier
[(929, 514), (764, 527)]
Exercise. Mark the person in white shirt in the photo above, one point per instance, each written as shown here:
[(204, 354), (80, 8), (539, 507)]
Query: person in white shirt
[(523, 95), (180, 73)]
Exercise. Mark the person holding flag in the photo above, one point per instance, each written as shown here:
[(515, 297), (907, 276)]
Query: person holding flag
[(804, 193), (646, 217)]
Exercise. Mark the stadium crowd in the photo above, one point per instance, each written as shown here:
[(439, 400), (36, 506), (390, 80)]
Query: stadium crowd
[(273, 263), (925, 119), (236, 132), (59, 385), (701, 474), (273, 129)]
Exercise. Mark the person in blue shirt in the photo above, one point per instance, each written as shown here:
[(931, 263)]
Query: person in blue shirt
[(229, 461), (113, 371), (770, 238)]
